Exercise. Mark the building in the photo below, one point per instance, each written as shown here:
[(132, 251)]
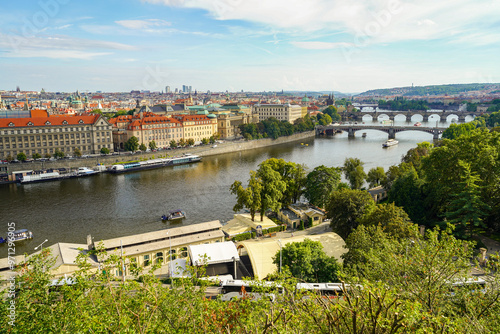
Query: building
[(44, 134), (282, 112), (307, 213), (197, 127), (243, 223), (160, 247)]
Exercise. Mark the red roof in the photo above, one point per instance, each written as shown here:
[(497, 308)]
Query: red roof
[(52, 120)]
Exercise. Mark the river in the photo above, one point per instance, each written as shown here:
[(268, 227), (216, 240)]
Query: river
[(108, 206)]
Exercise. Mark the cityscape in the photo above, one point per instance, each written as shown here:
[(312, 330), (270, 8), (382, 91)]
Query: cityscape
[(228, 166)]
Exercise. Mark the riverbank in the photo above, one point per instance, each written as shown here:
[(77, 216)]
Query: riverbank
[(205, 150)]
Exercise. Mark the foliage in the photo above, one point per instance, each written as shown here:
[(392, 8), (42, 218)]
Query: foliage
[(77, 152), (490, 120), (21, 156), (143, 147), (332, 112), (104, 150), (205, 141), (273, 188), (36, 156), (249, 197), (403, 104), (457, 130), (375, 177), (346, 207), (324, 119), (173, 143), (308, 262), (415, 155), (466, 209), (132, 144), (354, 172), (272, 128), (393, 220), (152, 145), (47, 155), (190, 141), (58, 154), (321, 182)]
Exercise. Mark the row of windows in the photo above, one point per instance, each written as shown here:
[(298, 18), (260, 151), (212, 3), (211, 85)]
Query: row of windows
[(67, 149), (49, 130)]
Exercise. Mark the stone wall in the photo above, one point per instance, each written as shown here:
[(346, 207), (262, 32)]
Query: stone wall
[(206, 150)]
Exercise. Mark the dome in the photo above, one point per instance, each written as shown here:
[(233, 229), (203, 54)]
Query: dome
[(305, 99), (202, 112), (211, 116)]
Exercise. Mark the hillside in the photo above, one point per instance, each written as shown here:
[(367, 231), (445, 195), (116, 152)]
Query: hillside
[(451, 89)]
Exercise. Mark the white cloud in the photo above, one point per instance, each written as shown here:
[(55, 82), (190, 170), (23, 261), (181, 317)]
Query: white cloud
[(143, 24), (316, 45), (381, 20), (55, 54)]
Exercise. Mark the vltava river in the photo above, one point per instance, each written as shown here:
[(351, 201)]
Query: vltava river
[(109, 206)]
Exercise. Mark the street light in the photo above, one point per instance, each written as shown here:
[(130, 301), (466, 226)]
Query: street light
[(41, 245)]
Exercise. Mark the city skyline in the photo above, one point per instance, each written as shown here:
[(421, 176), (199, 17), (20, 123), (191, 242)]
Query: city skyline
[(239, 45)]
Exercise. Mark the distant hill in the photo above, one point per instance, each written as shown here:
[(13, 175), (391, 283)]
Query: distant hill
[(317, 93), (451, 89)]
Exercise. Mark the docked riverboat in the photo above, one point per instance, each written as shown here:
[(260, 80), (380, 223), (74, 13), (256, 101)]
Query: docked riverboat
[(85, 171), (19, 235), (390, 142), (42, 177), (155, 163)]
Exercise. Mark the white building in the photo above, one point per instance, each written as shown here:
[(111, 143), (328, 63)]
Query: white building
[(282, 112)]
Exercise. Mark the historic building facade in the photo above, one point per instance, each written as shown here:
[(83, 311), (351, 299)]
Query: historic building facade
[(282, 112)]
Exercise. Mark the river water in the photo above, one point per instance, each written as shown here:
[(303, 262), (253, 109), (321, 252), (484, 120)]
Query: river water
[(109, 206)]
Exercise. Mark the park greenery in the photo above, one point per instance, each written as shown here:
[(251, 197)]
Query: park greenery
[(403, 104), (272, 128)]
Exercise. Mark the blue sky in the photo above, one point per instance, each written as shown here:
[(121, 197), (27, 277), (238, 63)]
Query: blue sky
[(218, 45)]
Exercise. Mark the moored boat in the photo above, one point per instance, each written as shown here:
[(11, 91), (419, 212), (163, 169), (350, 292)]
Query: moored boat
[(49, 176), (417, 124), (85, 171), (155, 163), (363, 135), (390, 142)]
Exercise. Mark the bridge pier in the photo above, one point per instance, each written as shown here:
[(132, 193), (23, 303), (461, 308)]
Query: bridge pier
[(461, 118), (442, 118), (392, 133), (350, 133), (426, 118), (391, 117), (435, 134)]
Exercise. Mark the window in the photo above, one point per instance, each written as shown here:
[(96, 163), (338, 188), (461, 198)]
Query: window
[(146, 260), (159, 257)]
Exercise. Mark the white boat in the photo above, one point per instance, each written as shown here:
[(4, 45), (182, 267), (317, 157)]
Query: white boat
[(49, 176), (84, 171), (390, 142), (19, 235)]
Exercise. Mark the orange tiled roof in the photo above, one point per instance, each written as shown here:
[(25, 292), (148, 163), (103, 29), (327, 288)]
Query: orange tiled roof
[(52, 120)]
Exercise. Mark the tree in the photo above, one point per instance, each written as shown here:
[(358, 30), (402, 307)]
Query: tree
[(354, 173), (249, 197), (393, 220), (21, 156), (132, 144), (457, 130), (321, 182), (143, 147), (152, 145), (292, 174), (58, 154), (376, 176), (324, 119), (466, 209), (182, 142), (77, 152), (205, 141), (332, 112), (308, 262), (190, 141), (346, 207), (273, 188), (105, 150), (47, 155), (36, 156), (173, 143)]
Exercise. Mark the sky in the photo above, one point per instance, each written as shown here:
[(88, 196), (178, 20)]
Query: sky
[(267, 45)]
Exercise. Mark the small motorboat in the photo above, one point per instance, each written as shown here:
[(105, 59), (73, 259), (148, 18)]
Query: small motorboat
[(19, 235), (363, 135), (174, 215)]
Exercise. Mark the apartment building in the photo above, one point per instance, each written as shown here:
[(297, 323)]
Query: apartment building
[(282, 112), (44, 134)]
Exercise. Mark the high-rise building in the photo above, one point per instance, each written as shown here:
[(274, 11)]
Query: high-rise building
[(190, 89), (184, 88), (167, 89)]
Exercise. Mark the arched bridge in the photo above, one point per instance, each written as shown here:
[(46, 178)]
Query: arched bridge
[(351, 129), (358, 116)]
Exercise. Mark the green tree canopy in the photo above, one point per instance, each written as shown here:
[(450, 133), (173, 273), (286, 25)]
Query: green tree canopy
[(308, 262), (132, 144), (143, 147), (346, 207), (104, 150), (152, 145), (173, 143), (273, 188), (58, 154), (375, 177), (457, 130), (354, 172), (77, 152), (36, 156), (393, 220), (21, 156), (321, 182), (249, 197)]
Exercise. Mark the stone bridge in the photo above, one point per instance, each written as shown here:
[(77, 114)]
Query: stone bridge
[(330, 130), (358, 116)]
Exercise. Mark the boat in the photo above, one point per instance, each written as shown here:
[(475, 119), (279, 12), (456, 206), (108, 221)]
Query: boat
[(85, 171), (174, 215), (19, 235), (363, 135), (390, 142), (417, 124), (35, 178), (154, 163)]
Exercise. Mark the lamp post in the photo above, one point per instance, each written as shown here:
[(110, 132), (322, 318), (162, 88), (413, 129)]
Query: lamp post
[(41, 245)]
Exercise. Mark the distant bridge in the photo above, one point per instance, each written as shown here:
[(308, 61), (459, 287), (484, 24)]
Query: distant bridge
[(391, 130), (375, 114)]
